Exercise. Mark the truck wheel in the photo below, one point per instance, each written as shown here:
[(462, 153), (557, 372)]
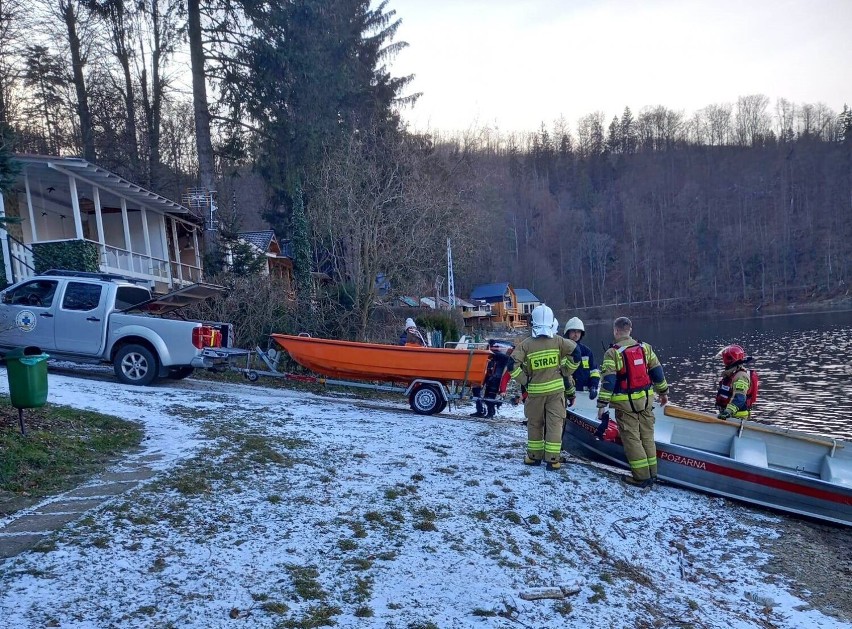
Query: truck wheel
[(426, 400), (179, 373), (135, 364)]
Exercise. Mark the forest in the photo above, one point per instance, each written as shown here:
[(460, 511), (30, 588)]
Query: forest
[(291, 112)]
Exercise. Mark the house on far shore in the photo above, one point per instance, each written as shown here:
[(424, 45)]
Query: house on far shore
[(526, 302), (502, 299), (279, 258)]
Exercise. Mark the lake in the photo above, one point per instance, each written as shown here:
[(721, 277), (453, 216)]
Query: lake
[(804, 362)]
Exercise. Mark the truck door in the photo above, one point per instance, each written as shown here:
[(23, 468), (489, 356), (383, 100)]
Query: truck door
[(27, 315), (80, 320)]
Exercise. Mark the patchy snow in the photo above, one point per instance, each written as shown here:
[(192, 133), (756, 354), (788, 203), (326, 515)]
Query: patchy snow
[(277, 508)]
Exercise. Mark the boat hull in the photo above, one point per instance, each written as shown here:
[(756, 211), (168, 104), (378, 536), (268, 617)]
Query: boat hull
[(387, 363), (799, 492)]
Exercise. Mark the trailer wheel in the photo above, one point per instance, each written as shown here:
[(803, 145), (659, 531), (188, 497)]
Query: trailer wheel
[(135, 364), (426, 400), (252, 376)]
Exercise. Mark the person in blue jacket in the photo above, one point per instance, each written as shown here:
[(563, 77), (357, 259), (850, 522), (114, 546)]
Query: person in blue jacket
[(587, 377)]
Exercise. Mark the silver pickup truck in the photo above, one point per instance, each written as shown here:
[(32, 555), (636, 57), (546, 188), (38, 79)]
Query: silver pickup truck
[(95, 317)]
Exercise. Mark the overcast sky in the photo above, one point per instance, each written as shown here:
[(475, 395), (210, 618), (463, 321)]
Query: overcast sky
[(517, 63)]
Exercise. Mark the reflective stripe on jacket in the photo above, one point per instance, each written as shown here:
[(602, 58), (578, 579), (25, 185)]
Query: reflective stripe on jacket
[(541, 362)]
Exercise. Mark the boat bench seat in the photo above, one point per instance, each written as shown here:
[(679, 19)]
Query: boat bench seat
[(835, 470), (749, 451), (663, 430)]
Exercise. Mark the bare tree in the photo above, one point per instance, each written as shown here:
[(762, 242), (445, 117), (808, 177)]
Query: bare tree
[(752, 120), (159, 26), (377, 208), (12, 31)]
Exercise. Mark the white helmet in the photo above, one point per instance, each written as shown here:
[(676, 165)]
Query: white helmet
[(542, 321), (574, 323)]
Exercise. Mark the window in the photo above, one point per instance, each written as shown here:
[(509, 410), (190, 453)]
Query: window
[(128, 296), (81, 296), (38, 293)]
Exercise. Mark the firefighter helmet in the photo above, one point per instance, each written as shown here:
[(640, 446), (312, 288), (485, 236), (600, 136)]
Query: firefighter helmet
[(733, 354), (542, 321), (574, 323)]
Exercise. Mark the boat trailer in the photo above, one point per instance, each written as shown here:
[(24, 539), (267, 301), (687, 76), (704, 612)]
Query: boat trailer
[(425, 396)]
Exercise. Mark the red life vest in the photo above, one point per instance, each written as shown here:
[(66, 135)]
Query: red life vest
[(633, 375), (725, 392)]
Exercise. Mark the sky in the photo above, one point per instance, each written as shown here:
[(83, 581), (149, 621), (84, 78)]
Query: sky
[(397, 520), (513, 65)]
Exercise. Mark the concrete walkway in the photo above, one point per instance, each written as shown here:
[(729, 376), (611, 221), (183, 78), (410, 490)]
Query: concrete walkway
[(31, 525)]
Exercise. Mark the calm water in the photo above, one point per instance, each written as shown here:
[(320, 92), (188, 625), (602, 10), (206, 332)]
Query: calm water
[(804, 362)]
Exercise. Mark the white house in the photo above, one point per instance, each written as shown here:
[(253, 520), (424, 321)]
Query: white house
[(135, 232)]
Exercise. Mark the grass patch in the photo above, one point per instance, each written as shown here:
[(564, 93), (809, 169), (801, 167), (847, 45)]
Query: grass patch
[(274, 607), (359, 563), (62, 445), (346, 544), (513, 517), (305, 582), (483, 613), (364, 612), (316, 616), (599, 593)]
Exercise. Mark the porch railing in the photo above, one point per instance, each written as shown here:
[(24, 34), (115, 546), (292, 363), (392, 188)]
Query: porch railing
[(185, 273), (124, 261), (23, 264)]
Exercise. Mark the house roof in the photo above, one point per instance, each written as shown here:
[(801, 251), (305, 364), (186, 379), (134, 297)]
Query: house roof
[(409, 301), (490, 292), (525, 297), (463, 303), (54, 172), (261, 239)]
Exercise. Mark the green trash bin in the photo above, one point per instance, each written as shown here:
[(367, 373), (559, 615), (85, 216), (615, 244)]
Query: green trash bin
[(26, 368)]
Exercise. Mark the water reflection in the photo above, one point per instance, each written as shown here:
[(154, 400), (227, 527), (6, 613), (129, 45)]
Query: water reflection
[(804, 361)]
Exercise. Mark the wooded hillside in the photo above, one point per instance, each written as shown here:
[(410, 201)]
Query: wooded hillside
[(292, 113)]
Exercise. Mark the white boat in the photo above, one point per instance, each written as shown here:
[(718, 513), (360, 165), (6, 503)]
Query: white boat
[(766, 465)]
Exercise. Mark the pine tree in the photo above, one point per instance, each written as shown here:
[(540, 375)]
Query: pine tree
[(8, 167), (301, 242)]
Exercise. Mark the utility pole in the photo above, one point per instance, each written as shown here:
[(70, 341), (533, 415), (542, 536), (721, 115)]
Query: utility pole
[(451, 283)]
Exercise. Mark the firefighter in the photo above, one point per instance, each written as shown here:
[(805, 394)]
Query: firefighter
[(630, 370), (738, 387), (587, 377), (541, 361), (499, 365)]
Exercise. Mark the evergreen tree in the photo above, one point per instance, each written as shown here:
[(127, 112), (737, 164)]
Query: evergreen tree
[(844, 121), (301, 242), (613, 139), (314, 73), (628, 132), (8, 167)]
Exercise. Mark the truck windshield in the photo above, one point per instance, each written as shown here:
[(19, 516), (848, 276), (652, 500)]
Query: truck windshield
[(127, 296)]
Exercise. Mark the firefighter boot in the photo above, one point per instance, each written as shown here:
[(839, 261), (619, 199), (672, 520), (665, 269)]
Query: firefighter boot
[(529, 461), (552, 466), (636, 482)]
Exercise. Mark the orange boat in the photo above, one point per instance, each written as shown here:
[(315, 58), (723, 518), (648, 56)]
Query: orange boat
[(388, 363)]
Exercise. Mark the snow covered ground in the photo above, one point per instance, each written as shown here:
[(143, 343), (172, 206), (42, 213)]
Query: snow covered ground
[(278, 508)]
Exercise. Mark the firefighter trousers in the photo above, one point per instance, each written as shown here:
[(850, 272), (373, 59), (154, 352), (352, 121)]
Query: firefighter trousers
[(637, 435), (545, 418)]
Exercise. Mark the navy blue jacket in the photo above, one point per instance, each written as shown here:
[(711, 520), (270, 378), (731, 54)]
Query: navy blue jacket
[(587, 375)]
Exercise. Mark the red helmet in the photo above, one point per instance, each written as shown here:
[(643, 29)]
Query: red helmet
[(733, 354)]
